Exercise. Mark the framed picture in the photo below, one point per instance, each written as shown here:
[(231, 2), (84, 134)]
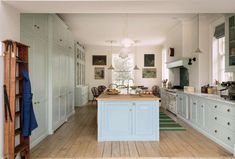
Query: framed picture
[(99, 73), (99, 60), (149, 73), (149, 60)]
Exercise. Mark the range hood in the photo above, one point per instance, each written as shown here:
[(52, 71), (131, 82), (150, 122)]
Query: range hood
[(178, 63)]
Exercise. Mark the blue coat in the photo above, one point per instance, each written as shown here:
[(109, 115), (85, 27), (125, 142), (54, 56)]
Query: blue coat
[(28, 119)]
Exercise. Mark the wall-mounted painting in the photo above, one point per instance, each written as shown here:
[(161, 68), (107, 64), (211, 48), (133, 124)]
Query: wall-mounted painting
[(149, 73), (99, 60), (149, 60), (99, 73)]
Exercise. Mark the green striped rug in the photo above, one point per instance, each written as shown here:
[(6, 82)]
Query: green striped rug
[(168, 124)]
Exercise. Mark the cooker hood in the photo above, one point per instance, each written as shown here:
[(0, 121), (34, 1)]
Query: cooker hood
[(178, 63)]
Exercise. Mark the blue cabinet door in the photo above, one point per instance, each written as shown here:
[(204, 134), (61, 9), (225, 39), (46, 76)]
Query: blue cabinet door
[(118, 119), (144, 115)]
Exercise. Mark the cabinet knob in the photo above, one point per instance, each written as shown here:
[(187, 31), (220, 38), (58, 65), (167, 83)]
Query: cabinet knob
[(202, 106), (216, 131), (133, 103), (35, 25), (194, 103), (216, 106), (35, 103), (130, 110), (61, 40), (215, 118), (38, 27), (228, 123), (228, 110), (229, 138)]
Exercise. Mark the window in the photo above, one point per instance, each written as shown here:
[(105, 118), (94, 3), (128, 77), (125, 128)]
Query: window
[(123, 73), (218, 61), (165, 70)]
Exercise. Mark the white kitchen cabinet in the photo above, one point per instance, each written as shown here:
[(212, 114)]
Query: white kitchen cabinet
[(230, 43), (215, 119), (36, 38), (183, 105), (51, 67), (81, 95)]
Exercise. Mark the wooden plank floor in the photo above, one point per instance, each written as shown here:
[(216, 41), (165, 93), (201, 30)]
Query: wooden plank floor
[(77, 139)]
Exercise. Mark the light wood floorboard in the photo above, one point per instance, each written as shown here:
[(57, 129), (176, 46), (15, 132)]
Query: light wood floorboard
[(77, 139)]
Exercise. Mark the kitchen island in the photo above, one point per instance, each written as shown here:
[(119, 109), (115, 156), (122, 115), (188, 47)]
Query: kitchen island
[(127, 117)]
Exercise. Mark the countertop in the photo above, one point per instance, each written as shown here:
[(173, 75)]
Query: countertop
[(204, 95), (105, 96)]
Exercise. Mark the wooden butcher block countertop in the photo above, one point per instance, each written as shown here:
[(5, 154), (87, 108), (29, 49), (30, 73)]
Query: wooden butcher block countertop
[(105, 96)]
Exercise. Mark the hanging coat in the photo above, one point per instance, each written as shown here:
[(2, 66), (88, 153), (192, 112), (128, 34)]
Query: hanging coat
[(28, 118)]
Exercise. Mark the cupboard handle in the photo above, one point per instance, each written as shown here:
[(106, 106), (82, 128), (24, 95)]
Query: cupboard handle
[(38, 27), (35, 103), (130, 110), (228, 123), (35, 25), (202, 106), (194, 103), (215, 118), (133, 103), (228, 110), (216, 131), (61, 40), (216, 106), (229, 138)]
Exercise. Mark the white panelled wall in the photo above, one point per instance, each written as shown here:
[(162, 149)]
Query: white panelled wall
[(105, 50)]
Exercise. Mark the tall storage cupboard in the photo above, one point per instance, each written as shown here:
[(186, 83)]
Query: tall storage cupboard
[(34, 28), (52, 69), (61, 72)]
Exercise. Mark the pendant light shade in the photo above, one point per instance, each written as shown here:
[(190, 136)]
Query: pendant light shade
[(198, 50), (111, 67), (136, 67), (111, 52)]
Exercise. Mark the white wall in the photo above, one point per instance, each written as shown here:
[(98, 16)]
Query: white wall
[(9, 29), (104, 50), (186, 41)]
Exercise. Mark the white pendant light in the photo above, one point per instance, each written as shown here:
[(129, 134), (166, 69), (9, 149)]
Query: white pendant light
[(136, 67), (198, 51), (126, 42), (111, 52), (124, 53)]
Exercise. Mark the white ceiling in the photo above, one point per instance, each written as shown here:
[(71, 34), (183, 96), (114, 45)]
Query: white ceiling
[(124, 6), (95, 29)]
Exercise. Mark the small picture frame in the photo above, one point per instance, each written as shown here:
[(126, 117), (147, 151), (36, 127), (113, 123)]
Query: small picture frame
[(99, 73), (149, 73), (149, 60), (100, 60), (172, 52)]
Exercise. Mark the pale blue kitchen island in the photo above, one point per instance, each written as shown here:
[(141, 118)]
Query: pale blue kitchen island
[(128, 118)]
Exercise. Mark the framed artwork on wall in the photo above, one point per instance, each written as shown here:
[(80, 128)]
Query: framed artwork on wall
[(149, 73), (99, 73), (149, 60), (99, 60)]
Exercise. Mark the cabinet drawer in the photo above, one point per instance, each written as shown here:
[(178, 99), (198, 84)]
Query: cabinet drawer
[(224, 135), (227, 122), (224, 109)]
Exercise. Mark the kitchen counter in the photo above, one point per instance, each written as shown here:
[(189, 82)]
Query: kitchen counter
[(128, 117), (210, 96), (105, 96)]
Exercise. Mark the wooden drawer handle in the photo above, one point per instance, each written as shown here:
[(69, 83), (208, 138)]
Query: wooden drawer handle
[(229, 138), (228, 110), (216, 131), (215, 118), (228, 123)]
